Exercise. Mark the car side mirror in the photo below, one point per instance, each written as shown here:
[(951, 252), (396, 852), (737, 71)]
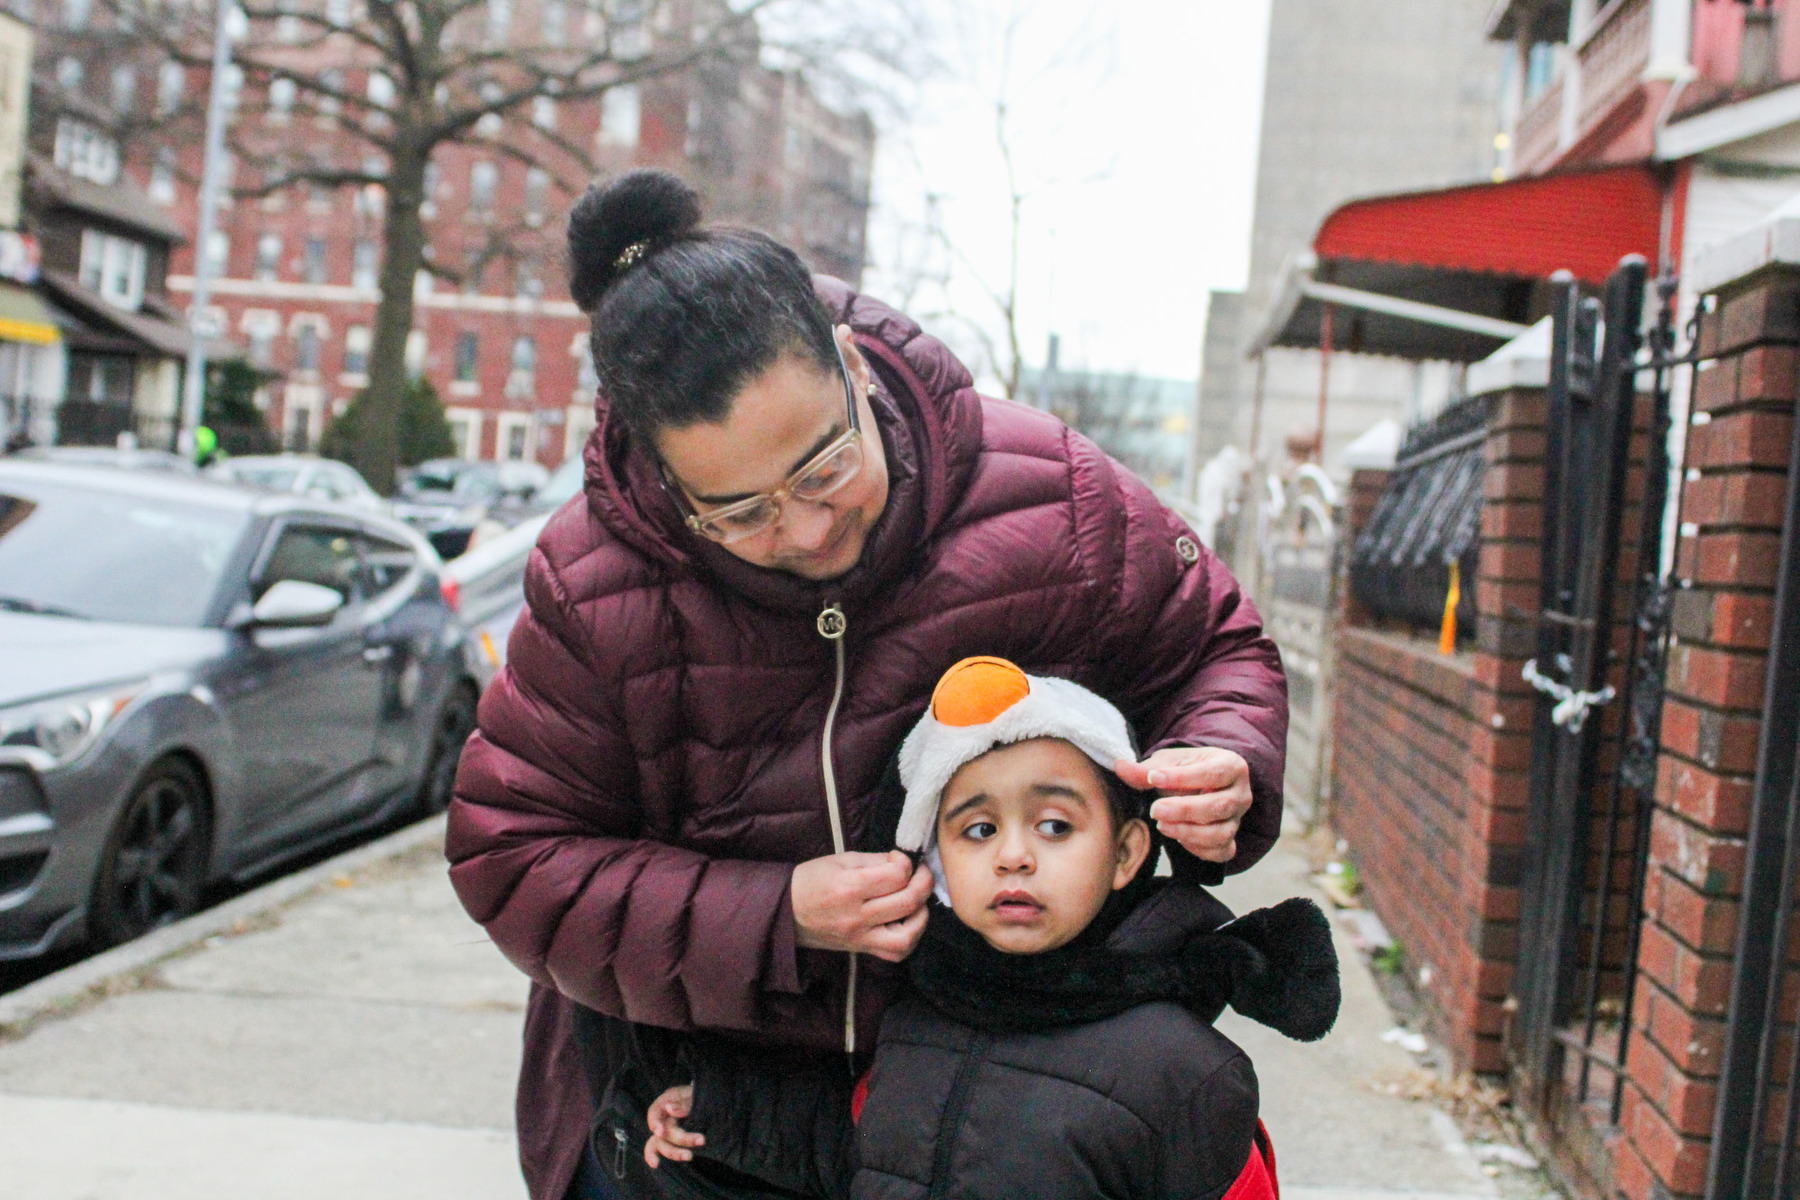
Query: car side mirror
[(292, 604)]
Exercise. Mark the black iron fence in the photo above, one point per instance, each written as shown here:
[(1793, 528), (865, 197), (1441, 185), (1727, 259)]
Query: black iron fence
[(1428, 518)]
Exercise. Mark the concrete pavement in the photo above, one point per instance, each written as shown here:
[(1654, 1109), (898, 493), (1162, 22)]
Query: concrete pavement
[(360, 1039)]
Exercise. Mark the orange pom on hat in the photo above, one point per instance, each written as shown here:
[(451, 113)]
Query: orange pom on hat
[(976, 690)]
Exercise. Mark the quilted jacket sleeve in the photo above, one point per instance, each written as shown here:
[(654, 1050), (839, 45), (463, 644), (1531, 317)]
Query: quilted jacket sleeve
[(1191, 661), (545, 851)]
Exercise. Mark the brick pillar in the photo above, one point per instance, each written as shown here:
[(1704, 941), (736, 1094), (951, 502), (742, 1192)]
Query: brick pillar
[(1734, 494), (1359, 505), (1429, 780)]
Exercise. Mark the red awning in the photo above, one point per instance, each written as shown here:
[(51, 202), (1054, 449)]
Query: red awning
[(1454, 273), (1580, 221)]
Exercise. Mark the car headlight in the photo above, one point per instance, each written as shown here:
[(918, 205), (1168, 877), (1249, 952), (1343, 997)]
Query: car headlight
[(63, 728)]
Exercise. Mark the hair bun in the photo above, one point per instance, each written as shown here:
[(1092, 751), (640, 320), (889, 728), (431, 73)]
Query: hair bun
[(638, 206)]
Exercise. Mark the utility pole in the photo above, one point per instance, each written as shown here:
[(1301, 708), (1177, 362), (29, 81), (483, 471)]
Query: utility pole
[(193, 390), (1046, 388)]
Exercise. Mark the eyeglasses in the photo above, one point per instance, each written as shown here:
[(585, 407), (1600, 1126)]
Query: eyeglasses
[(824, 474)]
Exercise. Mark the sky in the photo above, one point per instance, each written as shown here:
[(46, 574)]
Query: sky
[(1132, 126)]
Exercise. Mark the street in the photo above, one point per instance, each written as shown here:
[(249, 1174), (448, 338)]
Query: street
[(362, 1037)]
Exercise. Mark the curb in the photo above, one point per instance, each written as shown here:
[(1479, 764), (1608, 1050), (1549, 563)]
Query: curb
[(90, 977)]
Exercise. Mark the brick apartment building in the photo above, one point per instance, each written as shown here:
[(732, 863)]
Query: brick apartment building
[(494, 330)]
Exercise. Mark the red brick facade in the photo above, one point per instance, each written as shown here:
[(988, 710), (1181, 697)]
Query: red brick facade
[(495, 332), (1732, 516)]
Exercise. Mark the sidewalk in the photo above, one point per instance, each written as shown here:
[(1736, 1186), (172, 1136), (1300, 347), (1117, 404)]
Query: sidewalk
[(360, 1039)]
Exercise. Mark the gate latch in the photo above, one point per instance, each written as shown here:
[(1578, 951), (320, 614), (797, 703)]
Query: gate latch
[(1571, 711)]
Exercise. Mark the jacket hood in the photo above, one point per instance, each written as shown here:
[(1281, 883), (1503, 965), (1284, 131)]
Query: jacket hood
[(930, 430)]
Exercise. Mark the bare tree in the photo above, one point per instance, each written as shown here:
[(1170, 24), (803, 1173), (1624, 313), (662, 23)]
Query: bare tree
[(1020, 72), (438, 73)]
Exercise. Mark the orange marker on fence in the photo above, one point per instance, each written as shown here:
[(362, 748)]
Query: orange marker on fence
[(1447, 633)]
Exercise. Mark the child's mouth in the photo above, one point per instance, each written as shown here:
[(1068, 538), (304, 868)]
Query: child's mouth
[(1016, 907)]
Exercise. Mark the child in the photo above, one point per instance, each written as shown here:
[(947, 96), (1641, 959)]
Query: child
[(1058, 1038)]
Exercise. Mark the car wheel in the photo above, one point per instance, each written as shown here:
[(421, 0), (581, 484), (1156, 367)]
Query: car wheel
[(455, 721), (153, 869)]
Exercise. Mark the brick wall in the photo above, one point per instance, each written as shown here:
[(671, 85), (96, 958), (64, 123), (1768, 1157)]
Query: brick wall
[(1732, 513), (1429, 781)]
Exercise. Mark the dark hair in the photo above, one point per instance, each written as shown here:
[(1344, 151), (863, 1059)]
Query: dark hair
[(1126, 802), (684, 315)]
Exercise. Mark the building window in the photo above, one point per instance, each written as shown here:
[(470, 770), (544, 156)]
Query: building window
[(268, 256), (1540, 69), (281, 98), (468, 357), (68, 74), (620, 116), (114, 267), (381, 90), (417, 346), (85, 152), (527, 283), (124, 89), (499, 19), (537, 193), (484, 180), (260, 327), (234, 84), (554, 23), (306, 348), (331, 86), (171, 86), (338, 12), (356, 350), (515, 436), (75, 13), (363, 266), (524, 354), (543, 112), (162, 176), (218, 252), (313, 264)]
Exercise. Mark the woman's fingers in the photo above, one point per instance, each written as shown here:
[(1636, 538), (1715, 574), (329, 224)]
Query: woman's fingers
[(894, 941), (897, 906)]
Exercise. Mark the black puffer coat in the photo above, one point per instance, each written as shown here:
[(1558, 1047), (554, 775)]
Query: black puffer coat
[(1089, 1073)]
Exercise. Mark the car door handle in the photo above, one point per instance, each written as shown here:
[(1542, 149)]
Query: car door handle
[(377, 654)]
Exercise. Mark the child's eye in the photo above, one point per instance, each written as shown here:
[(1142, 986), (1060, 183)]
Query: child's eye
[(981, 831), (1054, 827)]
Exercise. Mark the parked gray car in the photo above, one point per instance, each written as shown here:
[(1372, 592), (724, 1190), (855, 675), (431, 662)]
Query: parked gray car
[(198, 681)]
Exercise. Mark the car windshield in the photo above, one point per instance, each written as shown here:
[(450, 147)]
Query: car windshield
[(462, 481), (275, 478), (111, 556)]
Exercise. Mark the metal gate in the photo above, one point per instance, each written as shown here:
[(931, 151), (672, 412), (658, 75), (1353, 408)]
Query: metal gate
[(1299, 596), (1588, 823), (1754, 1152)]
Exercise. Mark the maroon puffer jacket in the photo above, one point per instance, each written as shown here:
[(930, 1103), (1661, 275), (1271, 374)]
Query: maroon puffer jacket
[(650, 764)]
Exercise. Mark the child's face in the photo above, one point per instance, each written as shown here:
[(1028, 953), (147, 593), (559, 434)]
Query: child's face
[(1029, 852)]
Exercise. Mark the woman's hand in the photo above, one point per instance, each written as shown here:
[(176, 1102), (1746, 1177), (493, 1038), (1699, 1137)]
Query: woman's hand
[(1205, 793), (667, 1138), (866, 903)]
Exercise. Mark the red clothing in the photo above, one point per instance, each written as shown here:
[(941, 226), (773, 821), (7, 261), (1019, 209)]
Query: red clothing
[(648, 766)]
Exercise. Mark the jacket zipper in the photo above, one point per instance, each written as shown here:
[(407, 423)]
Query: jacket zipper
[(832, 625), (955, 1108), (621, 1142)]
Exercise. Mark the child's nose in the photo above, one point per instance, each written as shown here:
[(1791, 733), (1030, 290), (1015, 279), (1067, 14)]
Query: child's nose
[(1014, 853)]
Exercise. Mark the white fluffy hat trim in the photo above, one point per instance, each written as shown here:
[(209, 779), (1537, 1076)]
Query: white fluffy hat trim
[(934, 751)]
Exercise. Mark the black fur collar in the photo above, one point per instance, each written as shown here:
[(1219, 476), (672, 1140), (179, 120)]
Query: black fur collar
[(1276, 966)]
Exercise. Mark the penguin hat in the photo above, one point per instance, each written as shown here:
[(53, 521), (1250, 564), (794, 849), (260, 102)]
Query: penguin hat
[(984, 703)]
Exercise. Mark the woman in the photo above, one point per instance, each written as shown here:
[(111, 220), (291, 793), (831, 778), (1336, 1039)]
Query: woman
[(798, 513)]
